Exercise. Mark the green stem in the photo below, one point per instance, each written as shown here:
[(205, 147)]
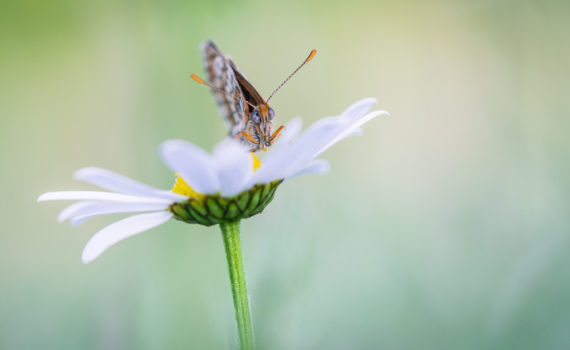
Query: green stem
[(232, 243)]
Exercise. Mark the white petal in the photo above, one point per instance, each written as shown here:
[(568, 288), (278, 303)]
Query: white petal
[(195, 165), (278, 165), (72, 209), (346, 130), (320, 136), (79, 212), (319, 166), (285, 141), (290, 131), (136, 207), (271, 163), (359, 108), (355, 132), (174, 197), (234, 165), (120, 230), (302, 152), (113, 182), (76, 221), (98, 196)]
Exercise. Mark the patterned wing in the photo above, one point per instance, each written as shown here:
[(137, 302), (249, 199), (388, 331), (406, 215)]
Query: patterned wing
[(251, 95), (221, 75)]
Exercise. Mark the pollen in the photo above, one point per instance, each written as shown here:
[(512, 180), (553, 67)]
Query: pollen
[(256, 162), (181, 187)]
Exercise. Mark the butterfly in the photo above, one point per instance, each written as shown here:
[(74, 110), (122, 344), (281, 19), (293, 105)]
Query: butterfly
[(248, 115)]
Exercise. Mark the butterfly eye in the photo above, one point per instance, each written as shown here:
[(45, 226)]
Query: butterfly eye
[(271, 114), (255, 116)]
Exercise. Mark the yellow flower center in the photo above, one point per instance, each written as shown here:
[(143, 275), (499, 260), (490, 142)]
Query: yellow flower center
[(181, 187), (256, 161)]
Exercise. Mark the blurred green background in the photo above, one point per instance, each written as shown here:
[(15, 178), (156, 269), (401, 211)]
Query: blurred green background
[(445, 226)]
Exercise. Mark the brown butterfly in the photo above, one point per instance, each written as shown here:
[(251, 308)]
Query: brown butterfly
[(249, 117)]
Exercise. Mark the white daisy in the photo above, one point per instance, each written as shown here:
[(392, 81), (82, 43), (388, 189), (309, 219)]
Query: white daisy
[(228, 185)]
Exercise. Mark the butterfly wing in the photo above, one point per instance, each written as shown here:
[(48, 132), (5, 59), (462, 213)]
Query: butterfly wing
[(251, 95), (219, 69)]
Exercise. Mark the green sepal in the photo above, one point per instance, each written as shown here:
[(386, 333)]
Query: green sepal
[(215, 209)]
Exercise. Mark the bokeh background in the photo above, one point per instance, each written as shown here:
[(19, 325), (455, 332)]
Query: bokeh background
[(444, 226)]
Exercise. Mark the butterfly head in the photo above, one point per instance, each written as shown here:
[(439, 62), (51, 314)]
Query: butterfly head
[(262, 119)]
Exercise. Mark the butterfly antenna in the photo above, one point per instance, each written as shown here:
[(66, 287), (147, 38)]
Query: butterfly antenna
[(310, 57), (201, 81)]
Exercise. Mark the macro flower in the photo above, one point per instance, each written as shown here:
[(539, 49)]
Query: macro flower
[(226, 186)]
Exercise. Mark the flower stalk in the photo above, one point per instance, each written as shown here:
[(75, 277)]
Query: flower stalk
[(232, 244)]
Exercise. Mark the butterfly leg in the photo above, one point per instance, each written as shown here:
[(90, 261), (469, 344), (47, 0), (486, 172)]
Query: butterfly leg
[(276, 134), (246, 135)]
